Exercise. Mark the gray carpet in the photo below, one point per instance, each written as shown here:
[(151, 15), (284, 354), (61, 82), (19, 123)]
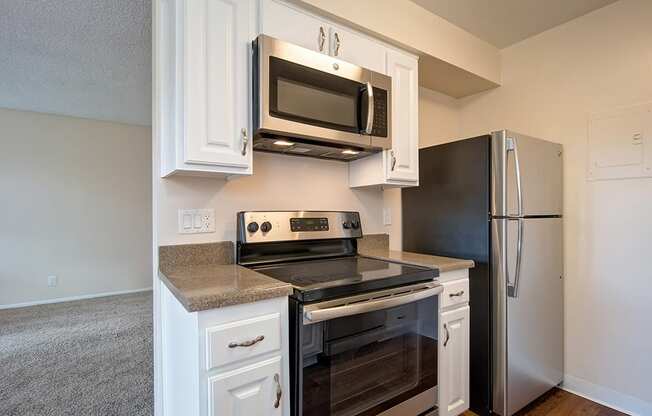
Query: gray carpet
[(90, 357)]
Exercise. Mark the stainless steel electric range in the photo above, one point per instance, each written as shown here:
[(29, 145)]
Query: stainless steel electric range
[(363, 331)]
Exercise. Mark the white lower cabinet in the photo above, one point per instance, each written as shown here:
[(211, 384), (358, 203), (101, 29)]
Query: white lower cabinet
[(231, 361), (454, 344), (248, 391)]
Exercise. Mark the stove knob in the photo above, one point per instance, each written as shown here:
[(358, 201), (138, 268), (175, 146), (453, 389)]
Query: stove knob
[(355, 225), (346, 225), (266, 226), (252, 227)]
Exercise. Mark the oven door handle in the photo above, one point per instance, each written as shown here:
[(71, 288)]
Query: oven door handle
[(321, 312)]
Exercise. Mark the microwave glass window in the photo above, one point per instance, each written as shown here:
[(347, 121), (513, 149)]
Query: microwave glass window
[(309, 96), (309, 102)]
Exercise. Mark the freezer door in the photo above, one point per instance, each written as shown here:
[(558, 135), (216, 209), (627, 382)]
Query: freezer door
[(532, 300), (526, 175)]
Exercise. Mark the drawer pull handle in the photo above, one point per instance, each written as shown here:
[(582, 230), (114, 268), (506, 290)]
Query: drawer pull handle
[(448, 335), (460, 293), (279, 392), (247, 343)]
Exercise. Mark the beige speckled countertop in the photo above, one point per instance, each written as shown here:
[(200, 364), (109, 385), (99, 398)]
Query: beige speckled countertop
[(377, 246), (203, 276), (444, 264), (211, 286)]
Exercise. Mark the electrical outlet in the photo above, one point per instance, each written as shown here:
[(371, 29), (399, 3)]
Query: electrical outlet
[(52, 281), (387, 216), (195, 221)]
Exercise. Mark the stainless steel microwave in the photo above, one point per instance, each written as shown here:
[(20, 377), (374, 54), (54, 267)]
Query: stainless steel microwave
[(310, 104)]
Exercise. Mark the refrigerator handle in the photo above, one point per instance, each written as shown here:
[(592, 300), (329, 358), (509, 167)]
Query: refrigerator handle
[(512, 290), (513, 147)]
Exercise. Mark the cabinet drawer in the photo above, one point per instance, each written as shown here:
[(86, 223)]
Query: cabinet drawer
[(455, 293), (241, 340), (257, 389)]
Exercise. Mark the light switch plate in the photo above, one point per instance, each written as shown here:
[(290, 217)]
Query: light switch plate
[(196, 221), (387, 216), (52, 281)]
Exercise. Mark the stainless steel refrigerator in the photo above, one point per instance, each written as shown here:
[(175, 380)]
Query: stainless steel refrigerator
[(497, 199)]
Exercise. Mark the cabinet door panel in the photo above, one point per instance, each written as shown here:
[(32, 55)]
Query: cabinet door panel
[(402, 161), (216, 43), (247, 391), (286, 23), (357, 49), (454, 362)]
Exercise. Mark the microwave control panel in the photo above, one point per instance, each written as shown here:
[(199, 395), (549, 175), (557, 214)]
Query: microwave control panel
[(380, 113)]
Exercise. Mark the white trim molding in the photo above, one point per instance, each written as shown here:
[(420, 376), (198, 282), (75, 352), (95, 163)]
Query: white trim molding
[(72, 298), (606, 396)]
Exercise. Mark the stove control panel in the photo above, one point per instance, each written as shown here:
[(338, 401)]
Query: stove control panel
[(308, 224), (271, 226)]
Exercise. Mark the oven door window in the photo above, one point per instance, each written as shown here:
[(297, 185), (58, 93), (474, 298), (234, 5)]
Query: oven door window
[(365, 364), (306, 95)]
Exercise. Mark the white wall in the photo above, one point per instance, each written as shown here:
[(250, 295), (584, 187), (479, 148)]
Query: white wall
[(279, 183), (551, 83), (76, 203)]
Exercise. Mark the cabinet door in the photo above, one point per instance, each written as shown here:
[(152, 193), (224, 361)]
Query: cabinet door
[(215, 66), (352, 47), (252, 390), (454, 362), (291, 25), (402, 161)]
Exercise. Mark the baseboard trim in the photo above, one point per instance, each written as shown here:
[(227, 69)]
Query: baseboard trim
[(72, 298), (606, 396)]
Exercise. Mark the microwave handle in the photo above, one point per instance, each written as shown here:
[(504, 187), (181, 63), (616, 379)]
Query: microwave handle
[(370, 108)]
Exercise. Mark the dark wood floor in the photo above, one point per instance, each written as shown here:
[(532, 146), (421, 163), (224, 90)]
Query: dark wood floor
[(562, 403)]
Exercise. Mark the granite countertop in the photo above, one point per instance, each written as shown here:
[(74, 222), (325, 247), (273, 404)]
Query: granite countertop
[(210, 286), (443, 264), (203, 276), (377, 246)]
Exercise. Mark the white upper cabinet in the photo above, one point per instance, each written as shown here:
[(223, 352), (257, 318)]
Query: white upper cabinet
[(357, 49), (291, 25), (203, 86), (404, 157), (398, 166), (288, 23)]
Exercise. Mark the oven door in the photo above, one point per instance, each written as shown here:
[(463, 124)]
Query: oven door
[(304, 94), (368, 355)]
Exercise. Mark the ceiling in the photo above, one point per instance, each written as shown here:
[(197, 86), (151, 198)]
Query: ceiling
[(505, 22), (86, 58)]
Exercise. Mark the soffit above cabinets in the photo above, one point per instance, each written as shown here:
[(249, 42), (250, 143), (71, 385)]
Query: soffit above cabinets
[(452, 60), (505, 22)]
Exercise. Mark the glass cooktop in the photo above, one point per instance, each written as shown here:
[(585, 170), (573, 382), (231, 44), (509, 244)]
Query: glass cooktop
[(344, 276)]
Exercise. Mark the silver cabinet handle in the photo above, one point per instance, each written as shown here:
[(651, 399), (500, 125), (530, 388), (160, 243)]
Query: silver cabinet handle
[(337, 44), (322, 38), (279, 391), (247, 343), (448, 335), (245, 141), (460, 293), (370, 108), (393, 160)]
